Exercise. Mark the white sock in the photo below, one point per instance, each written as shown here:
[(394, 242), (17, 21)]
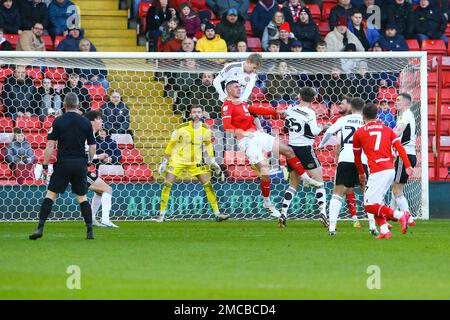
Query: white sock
[(216, 214), (321, 198), (372, 225), (162, 213), (398, 214), (402, 203), (355, 218), (288, 196), (384, 228), (333, 210), (95, 205), (106, 206), (267, 200)]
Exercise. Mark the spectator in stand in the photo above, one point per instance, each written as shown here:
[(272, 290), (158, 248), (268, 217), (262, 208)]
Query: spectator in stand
[(5, 45), (334, 86), (274, 46), (211, 42), (340, 36), (271, 32), (33, 11), (376, 47), (391, 41), (364, 85), (48, 99), (10, 17), (401, 13), (197, 5), (231, 27), (72, 41), (242, 47), (291, 10), (19, 151), (286, 38), (158, 14), (261, 16), (429, 22), (282, 84), (365, 35), (76, 86), (167, 33), (174, 45), (296, 46), (188, 45), (321, 46), (116, 115), (385, 115), (106, 145), (306, 30), (31, 40), (190, 19), (221, 7), (343, 9), (62, 14), (18, 94)]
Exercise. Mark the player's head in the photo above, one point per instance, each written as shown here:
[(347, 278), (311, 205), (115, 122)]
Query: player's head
[(357, 105), (196, 112), (95, 117), (252, 63), (71, 102), (233, 89), (403, 101), (345, 106), (369, 112), (307, 94)]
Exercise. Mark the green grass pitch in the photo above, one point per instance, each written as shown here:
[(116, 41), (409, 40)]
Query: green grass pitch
[(228, 260)]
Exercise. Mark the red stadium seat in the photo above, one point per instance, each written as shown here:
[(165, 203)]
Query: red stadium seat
[(445, 111), (435, 47), (315, 11), (37, 140), (8, 182), (58, 40), (138, 173), (258, 94), (35, 73), (48, 120), (5, 171), (48, 42), (96, 105), (123, 140), (241, 173), (254, 44), (6, 124), (413, 44), (328, 172), (431, 112), (324, 28), (321, 110), (432, 79), (143, 8), (5, 72), (326, 10), (39, 155), (445, 79), (210, 123), (251, 7), (389, 94), (248, 28), (131, 156), (431, 126), (431, 159), (277, 126), (111, 173), (12, 38), (28, 123), (56, 74), (96, 91)]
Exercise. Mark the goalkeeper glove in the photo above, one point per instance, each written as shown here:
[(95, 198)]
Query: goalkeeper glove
[(163, 166), (215, 167)]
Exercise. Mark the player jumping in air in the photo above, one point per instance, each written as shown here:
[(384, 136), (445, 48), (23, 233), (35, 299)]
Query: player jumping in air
[(302, 126), (346, 173), (239, 118), (102, 191), (406, 130), (376, 141), (185, 152)]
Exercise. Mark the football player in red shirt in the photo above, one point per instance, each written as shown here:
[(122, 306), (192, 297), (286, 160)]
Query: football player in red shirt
[(377, 140), (239, 117)]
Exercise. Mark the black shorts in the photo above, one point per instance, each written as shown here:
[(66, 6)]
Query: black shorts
[(91, 177), (347, 174), (307, 157), (400, 170), (69, 171)]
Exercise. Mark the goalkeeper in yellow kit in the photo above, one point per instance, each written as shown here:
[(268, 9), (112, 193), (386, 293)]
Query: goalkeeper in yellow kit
[(185, 152)]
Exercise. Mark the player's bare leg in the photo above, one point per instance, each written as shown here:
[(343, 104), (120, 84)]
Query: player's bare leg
[(102, 197), (263, 169), (400, 200), (294, 162), (211, 196), (165, 194)]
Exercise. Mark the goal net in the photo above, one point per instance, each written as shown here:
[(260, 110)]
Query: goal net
[(145, 97)]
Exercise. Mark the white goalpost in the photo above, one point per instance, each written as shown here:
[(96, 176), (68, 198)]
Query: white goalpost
[(158, 89)]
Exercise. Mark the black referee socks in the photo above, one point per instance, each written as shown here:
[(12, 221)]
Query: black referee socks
[(46, 208), (86, 211)]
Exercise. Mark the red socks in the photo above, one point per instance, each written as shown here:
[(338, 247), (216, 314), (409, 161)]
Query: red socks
[(296, 165), (381, 211), (351, 203), (380, 220), (265, 188)]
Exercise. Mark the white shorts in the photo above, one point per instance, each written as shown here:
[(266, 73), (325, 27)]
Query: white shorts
[(255, 146), (377, 186)]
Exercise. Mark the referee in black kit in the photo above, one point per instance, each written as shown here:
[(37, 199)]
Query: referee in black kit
[(71, 131)]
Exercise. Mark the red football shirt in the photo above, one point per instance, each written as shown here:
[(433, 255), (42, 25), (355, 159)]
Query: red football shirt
[(239, 115), (376, 140)]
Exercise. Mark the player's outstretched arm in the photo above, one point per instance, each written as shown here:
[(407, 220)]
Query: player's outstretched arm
[(217, 83), (330, 132)]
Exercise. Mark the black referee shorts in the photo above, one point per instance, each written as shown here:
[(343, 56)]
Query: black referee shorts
[(69, 171), (307, 157), (347, 174), (400, 170)]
